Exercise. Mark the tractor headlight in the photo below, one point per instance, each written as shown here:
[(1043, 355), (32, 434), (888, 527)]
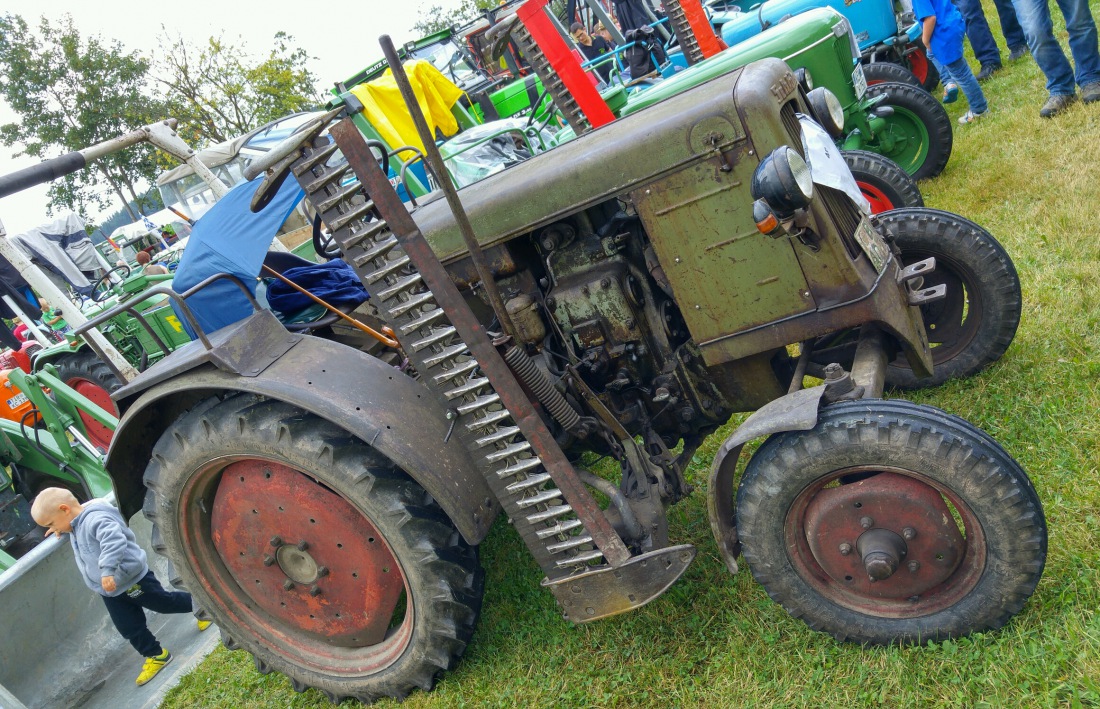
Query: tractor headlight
[(783, 180), (805, 79), (827, 110)]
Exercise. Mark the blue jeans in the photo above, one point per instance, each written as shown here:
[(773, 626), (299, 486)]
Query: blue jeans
[(958, 72), (979, 34), (1035, 17)]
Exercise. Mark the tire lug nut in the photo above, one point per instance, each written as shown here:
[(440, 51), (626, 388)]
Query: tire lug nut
[(303, 545), (908, 533), (315, 590), (914, 566), (276, 542), (287, 585), (322, 571), (845, 549), (269, 560), (866, 522)]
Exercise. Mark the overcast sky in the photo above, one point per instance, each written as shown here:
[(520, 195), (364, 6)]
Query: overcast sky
[(343, 36)]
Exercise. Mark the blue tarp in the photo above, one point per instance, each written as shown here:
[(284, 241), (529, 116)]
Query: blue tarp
[(230, 239)]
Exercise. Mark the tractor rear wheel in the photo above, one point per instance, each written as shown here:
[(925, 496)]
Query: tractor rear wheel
[(918, 131), (890, 522), (925, 71), (974, 325), (93, 379), (311, 550), (885, 185)]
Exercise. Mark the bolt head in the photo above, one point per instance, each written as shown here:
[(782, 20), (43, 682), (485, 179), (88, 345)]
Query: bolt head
[(908, 533), (287, 585), (315, 590), (914, 566), (269, 560), (302, 545), (845, 549), (322, 571), (833, 371), (276, 542), (866, 522)]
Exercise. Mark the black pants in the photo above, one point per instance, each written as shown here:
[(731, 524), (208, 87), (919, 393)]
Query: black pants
[(128, 614)]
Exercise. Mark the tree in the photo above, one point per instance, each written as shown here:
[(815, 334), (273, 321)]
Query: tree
[(218, 91), (435, 19), (71, 92)]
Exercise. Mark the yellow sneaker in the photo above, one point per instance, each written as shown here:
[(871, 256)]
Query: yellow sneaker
[(152, 666), (204, 624)]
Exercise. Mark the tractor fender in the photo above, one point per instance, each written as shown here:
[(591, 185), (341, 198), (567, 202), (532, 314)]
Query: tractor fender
[(373, 401), (793, 412)]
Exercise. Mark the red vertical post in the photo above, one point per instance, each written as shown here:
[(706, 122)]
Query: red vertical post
[(564, 63), (709, 43)]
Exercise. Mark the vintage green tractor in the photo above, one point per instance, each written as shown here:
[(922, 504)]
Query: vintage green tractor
[(624, 293), (898, 120)]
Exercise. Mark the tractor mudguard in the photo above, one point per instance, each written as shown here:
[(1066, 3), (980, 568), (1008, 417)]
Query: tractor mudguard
[(793, 412), (388, 410)]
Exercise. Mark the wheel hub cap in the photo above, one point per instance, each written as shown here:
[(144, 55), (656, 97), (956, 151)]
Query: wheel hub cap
[(888, 537), (304, 555)]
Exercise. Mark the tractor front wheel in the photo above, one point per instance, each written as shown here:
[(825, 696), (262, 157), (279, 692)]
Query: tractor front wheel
[(973, 326), (311, 550), (90, 377), (890, 522), (885, 185), (917, 131), (882, 72)]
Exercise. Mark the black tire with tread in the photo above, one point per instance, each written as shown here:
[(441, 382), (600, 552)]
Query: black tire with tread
[(879, 72), (921, 106), (966, 249), (84, 364), (946, 449), (883, 174), (444, 579)]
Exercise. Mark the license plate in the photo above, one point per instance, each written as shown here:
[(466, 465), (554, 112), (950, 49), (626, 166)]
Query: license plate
[(17, 400), (872, 245), (859, 82)]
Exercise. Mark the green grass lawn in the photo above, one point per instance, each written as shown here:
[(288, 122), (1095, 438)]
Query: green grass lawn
[(718, 640)]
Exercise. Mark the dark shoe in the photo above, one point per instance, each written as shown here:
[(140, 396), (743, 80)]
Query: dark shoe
[(1056, 104), (1018, 52), (987, 71), (1090, 92)]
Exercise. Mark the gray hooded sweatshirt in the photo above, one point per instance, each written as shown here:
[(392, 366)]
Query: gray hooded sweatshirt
[(104, 546)]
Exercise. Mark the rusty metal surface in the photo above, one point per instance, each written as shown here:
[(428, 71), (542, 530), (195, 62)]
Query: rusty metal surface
[(246, 348), (303, 554), (793, 412), (606, 592), (474, 335), (372, 401), (594, 167), (837, 518)]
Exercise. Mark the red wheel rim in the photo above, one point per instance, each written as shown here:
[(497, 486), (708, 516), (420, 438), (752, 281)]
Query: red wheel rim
[(816, 539), (878, 199), (98, 434), (918, 64), (336, 603)]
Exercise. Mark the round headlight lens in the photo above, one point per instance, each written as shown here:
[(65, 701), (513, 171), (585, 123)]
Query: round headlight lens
[(784, 181), (827, 110), (805, 78)]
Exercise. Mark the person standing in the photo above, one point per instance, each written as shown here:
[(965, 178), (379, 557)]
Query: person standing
[(943, 29), (114, 566), (593, 48), (981, 38), (1061, 77)]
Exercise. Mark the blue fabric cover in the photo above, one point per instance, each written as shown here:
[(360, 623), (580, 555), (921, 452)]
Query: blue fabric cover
[(230, 239), (334, 282)]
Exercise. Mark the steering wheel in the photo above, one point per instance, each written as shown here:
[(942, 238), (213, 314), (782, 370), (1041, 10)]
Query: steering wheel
[(99, 296)]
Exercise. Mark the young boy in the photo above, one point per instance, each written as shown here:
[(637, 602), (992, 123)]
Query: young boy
[(114, 566), (944, 28)]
